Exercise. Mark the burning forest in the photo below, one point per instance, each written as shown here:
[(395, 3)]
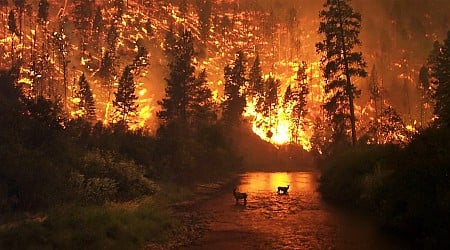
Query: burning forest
[(55, 43), (105, 101)]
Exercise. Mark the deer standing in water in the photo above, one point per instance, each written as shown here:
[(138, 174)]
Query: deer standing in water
[(239, 196), (283, 189)]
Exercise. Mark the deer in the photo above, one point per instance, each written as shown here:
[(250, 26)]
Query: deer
[(239, 196), (283, 189)]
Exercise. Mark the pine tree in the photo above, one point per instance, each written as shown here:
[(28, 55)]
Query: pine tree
[(188, 98), (341, 27), (180, 52), (61, 42), (170, 41), (299, 96), (86, 102), (255, 90), (98, 22), (374, 89), (204, 18), (20, 5), (425, 91), (271, 102), (12, 26), (202, 109), (440, 72), (43, 11), (125, 98), (98, 28), (287, 96), (187, 110), (235, 103), (107, 66), (141, 57), (111, 39), (83, 14)]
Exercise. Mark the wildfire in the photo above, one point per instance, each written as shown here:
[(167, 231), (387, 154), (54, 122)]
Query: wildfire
[(245, 31)]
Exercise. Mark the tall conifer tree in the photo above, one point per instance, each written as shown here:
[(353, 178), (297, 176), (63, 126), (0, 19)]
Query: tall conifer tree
[(440, 72), (125, 102), (87, 103), (235, 81), (340, 25)]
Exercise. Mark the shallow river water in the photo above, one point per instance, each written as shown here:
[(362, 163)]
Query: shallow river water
[(297, 220)]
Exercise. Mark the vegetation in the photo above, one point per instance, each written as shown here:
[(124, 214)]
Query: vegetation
[(74, 156), (341, 26), (69, 173), (405, 184)]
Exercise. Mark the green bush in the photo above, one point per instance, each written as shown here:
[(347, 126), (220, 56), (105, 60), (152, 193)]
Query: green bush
[(408, 188), (93, 228), (352, 176)]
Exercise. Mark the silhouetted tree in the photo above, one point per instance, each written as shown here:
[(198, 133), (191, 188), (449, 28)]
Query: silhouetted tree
[(12, 26), (107, 66), (125, 98), (299, 97), (98, 22), (86, 102), (62, 46), (187, 96), (83, 14), (425, 91), (180, 52), (141, 57), (98, 27), (20, 5), (340, 25), (374, 89), (287, 96), (119, 6), (203, 107), (187, 111), (440, 72), (111, 39), (170, 41), (234, 103), (255, 90), (271, 102), (43, 10), (204, 19), (392, 128)]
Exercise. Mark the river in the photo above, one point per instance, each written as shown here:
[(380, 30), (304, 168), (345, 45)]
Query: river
[(297, 220)]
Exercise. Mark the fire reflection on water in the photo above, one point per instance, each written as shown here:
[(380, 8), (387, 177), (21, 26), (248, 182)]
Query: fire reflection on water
[(299, 182)]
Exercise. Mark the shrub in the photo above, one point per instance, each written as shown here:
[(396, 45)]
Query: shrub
[(93, 227), (351, 176)]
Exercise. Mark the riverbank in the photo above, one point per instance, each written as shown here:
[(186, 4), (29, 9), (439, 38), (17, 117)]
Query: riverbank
[(186, 211), (164, 220)]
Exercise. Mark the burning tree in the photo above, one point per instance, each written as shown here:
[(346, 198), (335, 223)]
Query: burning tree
[(341, 26)]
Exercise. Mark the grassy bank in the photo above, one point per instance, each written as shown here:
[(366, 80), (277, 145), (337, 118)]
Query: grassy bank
[(158, 221), (407, 188), (93, 227)]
